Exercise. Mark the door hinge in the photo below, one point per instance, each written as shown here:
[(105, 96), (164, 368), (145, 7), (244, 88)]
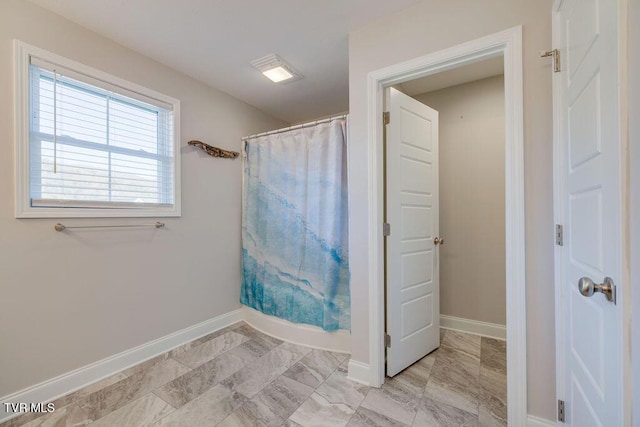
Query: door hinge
[(559, 235), (561, 410), (386, 117), (387, 340), (555, 53), (386, 229)]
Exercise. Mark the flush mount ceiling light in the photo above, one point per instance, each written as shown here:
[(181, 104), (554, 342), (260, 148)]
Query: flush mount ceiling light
[(276, 69)]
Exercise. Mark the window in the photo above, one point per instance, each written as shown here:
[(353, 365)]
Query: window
[(90, 144)]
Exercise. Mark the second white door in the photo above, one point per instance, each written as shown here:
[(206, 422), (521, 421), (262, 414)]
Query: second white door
[(412, 274), (590, 186)]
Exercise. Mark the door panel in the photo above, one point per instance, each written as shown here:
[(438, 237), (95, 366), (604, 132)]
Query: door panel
[(417, 313), (589, 185), (584, 124), (417, 269), (582, 32), (585, 213), (583, 413), (412, 285), (417, 222), (415, 176), (587, 344)]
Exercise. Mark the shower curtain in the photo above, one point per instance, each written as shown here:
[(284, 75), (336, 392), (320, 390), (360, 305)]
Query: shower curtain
[(294, 226)]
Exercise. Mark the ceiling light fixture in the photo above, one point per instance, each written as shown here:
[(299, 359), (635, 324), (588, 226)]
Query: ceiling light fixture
[(276, 69)]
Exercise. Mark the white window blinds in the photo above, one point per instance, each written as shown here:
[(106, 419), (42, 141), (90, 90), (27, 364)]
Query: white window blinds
[(96, 145)]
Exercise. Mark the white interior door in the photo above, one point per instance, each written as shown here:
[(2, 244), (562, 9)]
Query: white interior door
[(412, 279), (589, 182)]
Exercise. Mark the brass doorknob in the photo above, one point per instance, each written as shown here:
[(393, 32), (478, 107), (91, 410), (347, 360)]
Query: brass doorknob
[(438, 241)]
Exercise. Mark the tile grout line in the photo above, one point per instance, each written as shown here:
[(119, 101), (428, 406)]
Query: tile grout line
[(168, 413), (247, 399), (144, 395), (189, 369), (424, 389), (259, 391), (216, 384), (316, 389), (83, 411), (309, 397), (162, 385), (270, 382), (360, 403), (174, 408), (111, 412), (216, 356), (160, 397)]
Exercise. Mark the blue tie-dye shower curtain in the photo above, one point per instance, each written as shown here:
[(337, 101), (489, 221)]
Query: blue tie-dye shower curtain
[(294, 226)]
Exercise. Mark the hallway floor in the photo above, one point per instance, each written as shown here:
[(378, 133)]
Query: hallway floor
[(241, 377)]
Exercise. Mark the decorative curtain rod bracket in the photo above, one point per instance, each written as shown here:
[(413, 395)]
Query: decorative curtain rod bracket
[(214, 151)]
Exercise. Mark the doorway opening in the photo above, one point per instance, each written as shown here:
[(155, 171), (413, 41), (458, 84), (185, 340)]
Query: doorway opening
[(507, 44), (445, 253)]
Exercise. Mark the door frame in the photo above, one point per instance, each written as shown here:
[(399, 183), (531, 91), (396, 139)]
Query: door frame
[(509, 44)]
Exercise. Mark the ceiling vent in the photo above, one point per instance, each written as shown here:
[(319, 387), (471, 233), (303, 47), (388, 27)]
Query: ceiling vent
[(276, 69)]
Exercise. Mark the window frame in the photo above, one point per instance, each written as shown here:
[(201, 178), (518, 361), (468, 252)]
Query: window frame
[(23, 206)]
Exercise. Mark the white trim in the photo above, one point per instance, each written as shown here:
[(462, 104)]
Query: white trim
[(476, 327), (625, 317), (21, 54), (509, 44), (71, 381), (633, 129), (533, 421), (359, 372), (307, 335)]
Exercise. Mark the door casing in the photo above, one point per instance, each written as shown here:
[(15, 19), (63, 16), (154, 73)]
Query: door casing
[(507, 43)]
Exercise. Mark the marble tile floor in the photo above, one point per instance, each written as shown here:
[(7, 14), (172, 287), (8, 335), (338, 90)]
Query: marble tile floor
[(241, 377)]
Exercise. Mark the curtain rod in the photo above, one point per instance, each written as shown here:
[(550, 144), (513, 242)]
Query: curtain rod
[(303, 125)]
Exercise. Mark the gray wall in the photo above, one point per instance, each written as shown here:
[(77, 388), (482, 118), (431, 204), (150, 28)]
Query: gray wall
[(427, 27), (472, 260), (67, 300)]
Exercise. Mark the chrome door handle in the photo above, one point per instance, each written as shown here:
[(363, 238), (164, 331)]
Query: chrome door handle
[(587, 288), (438, 241)]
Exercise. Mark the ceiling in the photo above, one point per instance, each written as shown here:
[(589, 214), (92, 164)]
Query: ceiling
[(476, 71), (214, 41)]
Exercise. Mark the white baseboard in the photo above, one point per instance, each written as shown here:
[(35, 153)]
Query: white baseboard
[(71, 381), (491, 330), (539, 422), (307, 335), (359, 372)]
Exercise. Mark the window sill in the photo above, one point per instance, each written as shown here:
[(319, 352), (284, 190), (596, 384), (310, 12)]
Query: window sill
[(31, 212)]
